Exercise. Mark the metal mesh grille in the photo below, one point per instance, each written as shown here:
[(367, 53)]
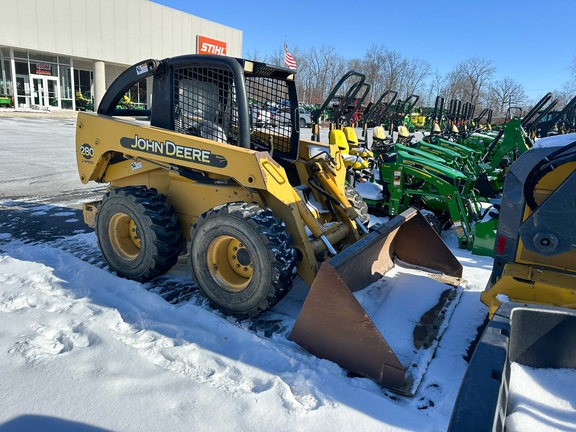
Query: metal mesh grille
[(270, 111), (205, 105)]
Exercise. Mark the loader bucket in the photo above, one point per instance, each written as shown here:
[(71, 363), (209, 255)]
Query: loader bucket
[(333, 324)]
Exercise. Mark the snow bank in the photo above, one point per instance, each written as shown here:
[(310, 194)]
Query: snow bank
[(541, 399), (84, 347)]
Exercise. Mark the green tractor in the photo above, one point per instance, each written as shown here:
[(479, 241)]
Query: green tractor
[(410, 177), (393, 177)]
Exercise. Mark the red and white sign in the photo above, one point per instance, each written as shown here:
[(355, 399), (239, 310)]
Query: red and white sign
[(43, 69), (210, 46)]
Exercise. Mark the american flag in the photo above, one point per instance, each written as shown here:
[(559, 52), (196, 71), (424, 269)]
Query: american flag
[(288, 59)]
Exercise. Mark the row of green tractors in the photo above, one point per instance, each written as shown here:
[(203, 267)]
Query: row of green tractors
[(454, 174)]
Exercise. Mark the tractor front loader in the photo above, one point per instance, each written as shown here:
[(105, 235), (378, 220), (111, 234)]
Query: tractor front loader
[(253, 207), (412, 177)]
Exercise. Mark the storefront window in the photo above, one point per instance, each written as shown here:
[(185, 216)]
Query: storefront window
[(133, 94), (22, 84), (83, 82), (21, 55), (66, 93), (44, 81), (6, 79), (34, 57), (83, 89), (22, 68), (137, 94)]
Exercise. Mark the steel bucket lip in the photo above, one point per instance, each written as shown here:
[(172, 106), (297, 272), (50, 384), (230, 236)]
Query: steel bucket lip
[(333, 325)]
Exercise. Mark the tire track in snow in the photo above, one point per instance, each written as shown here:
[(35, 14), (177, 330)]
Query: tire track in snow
[(206, 348)]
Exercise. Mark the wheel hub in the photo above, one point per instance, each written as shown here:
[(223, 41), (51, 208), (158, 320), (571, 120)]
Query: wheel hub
[(230, 263), (124, 236)]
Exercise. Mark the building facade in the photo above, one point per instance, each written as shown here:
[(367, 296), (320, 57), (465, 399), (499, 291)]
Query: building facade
[(63, 54)]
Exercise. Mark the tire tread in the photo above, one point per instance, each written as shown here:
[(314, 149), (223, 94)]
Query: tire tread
[(277, 241), (167, 237)]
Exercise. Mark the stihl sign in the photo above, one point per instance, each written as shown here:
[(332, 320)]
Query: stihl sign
[(211, 46)]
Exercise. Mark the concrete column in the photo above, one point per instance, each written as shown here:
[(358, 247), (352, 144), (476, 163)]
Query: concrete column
[(99, 82), (149, 82), (13, 73)]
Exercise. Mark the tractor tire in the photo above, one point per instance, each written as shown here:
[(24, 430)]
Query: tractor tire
[(445, 220), (242, 258), (358, 203), (138, 232), (433, 221)]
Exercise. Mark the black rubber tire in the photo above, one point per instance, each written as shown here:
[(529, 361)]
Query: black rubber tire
[(433, 221), (358, 203), (156, 239), (302, 123), (246, 281), (445, 220)]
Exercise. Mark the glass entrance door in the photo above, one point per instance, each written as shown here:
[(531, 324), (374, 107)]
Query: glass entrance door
[(23, 90), (45, 91)]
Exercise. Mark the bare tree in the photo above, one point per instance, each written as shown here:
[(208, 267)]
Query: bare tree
[(256, 55), (277, 57), (354, 64), (319, 68), (470, 78), (505, 93), (325, 67), (393, 68), (372, 66), (304, 77), (435, 87), (414, 73), (566, 93)]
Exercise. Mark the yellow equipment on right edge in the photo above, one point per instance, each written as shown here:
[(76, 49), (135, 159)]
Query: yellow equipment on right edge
[(535, 252)]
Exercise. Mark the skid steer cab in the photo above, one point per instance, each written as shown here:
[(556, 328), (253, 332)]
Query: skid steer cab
[(251, 205)]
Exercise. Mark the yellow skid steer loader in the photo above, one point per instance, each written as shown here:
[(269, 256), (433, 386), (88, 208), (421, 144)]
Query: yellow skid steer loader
[(252, 205), (535, 250)]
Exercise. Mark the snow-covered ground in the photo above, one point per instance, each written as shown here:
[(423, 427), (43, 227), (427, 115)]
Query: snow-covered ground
[(82, 349)]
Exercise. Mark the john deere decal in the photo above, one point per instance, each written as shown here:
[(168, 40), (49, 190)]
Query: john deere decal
[(174, 151)]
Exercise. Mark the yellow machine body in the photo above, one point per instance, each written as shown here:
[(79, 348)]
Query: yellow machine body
[(257, 177), (524, 271)]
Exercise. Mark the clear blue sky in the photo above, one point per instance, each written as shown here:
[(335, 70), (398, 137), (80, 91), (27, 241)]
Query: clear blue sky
[(531, 41)]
